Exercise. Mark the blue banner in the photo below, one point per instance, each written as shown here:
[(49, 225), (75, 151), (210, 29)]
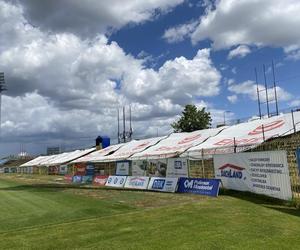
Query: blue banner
[(77, 179), (208, 187), (298, 159), (87, 179), (90, 170)]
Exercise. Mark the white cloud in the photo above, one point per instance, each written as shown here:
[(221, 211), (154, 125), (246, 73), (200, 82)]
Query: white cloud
[(240, 52), (87, 18), (249, 89), (180, 32), (232, 98), (295, 103), (230, 23), (62, 86)]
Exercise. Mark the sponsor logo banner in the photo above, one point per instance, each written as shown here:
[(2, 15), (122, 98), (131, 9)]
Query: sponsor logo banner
[(163, 184), (137, 182), (77, 179), (68, 178), (90, 170), (100, 180), (87, 179), (258, 172), (63, 169), (177, 167), (115, 181), (201, 186), (122, 168)]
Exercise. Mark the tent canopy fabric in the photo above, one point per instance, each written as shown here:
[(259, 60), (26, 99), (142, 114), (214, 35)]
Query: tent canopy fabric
[(99, 155), (246, 135), (176, 143), (132, 147), (193, 145)]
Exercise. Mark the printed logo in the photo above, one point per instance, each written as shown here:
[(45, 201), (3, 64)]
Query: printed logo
[(158, 184), (231, 171), (137, 182), (189, 139), (178, 164), (267, 127)]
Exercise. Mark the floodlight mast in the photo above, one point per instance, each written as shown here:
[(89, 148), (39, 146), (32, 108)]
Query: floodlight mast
[(2, 88)]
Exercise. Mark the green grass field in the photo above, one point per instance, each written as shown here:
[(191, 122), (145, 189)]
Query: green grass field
[(35, 213)]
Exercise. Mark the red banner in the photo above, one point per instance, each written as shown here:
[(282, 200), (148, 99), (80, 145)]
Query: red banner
[(68, 178), (100, 180)]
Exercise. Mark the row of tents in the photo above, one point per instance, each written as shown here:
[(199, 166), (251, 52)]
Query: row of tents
[(202, 144)]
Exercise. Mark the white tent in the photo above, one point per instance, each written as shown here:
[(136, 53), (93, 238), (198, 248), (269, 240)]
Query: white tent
[(67, 157), (246, 135), (99, 155), (132, 147), (176, 143), (34, 162)]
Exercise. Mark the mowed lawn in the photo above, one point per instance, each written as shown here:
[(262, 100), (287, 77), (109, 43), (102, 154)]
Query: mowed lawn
[(37, 215)]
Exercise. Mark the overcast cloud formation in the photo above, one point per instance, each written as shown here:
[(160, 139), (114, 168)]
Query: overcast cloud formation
[(66, 75), (62, 84)]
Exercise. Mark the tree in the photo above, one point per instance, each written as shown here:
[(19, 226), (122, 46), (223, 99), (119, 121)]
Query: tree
[(192, 119)]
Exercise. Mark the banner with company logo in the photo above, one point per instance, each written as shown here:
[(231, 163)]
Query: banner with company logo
[(177, 167), (258, 172), (115, 181), (139, 167), (137, 182), (90, 170), (68, 178), (122, 168), (100, 180), (163, 184), (63, 169), (201, 186), (77, 179), (87, 179)]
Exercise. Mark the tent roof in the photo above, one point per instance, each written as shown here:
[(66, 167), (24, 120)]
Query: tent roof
[(132, 147), (246, 135), (99, 155), (176, 143)]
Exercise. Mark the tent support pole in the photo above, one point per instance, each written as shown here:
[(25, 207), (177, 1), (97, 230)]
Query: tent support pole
[(202, 160)]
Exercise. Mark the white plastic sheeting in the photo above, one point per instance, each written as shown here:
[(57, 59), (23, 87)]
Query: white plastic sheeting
[(132, 147), (99, 155), (246, 135), (176, 143), (34, 162), (58, 159)]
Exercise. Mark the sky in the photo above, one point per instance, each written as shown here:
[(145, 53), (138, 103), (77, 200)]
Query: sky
[(70, 64)]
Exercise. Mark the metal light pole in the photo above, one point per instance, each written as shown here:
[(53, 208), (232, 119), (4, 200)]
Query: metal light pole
[(2, 88)]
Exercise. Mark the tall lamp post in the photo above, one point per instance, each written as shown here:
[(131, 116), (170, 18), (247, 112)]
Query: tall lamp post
[(2, 88)]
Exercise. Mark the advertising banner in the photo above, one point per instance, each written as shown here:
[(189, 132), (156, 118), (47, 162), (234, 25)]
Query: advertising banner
[(68, 178), (258, 172), (201, 186), (177, 167), (298, 159), (163, 184), (137, 182), (115, 181), (80, 169), (77, 179), (63, 169), (139, 168), (90, 170), (87, 179), (100, 180), (122, 168)]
